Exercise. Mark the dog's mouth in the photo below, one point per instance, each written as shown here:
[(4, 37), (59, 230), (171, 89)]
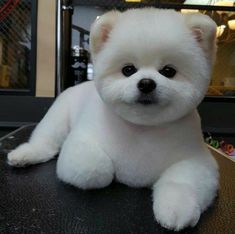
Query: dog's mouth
[(146, 100)]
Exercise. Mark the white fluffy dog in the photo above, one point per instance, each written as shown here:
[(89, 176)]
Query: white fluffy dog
[(137, 122)]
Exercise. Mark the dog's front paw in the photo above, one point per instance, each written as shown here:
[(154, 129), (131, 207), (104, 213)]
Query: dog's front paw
[(24, 155), (175, 206), (85, 172)]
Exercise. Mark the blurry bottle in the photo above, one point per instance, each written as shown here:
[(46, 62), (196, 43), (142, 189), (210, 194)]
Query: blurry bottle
[(79, 64), (90, 72)]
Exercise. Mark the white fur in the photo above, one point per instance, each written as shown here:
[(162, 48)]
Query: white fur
[(158, 145)]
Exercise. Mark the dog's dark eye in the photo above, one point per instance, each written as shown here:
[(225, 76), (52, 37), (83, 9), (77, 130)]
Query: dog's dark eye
[(168, 71), (129, 70)]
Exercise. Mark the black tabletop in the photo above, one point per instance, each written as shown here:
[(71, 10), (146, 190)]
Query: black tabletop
[(33, 200)]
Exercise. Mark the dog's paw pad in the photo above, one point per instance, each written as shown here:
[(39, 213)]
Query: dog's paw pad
[(176, 207)]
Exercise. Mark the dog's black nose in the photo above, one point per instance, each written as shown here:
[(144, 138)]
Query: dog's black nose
[(146, 85)]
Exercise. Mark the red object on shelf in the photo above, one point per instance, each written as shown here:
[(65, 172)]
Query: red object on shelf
[(227, 148)]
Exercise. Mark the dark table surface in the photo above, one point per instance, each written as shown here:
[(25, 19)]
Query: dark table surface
[(33, 200)]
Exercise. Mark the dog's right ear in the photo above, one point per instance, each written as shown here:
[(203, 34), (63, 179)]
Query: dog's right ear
[(101, 29), (204, 31)]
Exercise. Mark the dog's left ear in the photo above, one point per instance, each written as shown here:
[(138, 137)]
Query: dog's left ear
[(100, 31), (204, 31)]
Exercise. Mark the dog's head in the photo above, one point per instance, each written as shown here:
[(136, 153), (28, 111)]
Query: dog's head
[(152, 66)]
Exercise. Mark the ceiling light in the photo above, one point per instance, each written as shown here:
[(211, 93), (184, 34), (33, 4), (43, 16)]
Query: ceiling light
[(185, 11), (224, 3)]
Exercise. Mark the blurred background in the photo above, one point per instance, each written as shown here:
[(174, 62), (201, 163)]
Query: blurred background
[(44, 49)]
